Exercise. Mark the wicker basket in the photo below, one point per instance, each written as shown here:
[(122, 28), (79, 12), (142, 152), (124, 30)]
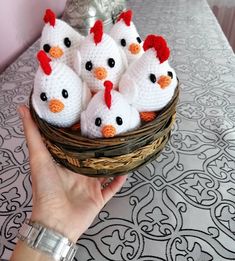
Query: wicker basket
[(113, 156)]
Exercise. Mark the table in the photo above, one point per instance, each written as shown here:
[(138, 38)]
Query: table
[(180, 206)]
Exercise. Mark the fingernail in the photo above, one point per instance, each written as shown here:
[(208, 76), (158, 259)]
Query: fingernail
[(20, 110)]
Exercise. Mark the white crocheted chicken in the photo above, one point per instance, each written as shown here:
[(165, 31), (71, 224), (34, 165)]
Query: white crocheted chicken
[(59, 95), (59, 40), (108, 114), (149, 83), (125, 34), (100, 59)]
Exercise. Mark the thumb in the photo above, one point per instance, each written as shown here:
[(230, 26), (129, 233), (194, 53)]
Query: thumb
[(44, 176), (37, 149)]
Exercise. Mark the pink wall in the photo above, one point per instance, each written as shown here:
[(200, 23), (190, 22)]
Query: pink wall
[(21, 22)]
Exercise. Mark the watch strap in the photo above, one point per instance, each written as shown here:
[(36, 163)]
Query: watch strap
[(47, 240)]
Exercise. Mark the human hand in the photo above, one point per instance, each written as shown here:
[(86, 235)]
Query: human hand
[(62, 200)]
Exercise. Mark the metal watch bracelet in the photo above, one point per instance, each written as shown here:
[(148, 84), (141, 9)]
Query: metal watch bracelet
[(48, 241)]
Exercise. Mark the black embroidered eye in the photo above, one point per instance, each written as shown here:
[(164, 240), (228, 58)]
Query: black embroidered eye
[(89, 66), (111, 62), (67, 42), (43, 96), (46, 48), (138, 39), (123, 42), (98, 122), (65, 94), (170, 74), (152, 78), (119, 120)]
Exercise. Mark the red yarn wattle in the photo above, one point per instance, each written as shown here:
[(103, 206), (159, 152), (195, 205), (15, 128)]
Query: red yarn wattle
[(107, 93), (126, 17), (44, 61), (49, 17), (160, 46), (97, 30)]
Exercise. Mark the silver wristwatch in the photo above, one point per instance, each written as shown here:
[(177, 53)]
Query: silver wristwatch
[(47, 240)]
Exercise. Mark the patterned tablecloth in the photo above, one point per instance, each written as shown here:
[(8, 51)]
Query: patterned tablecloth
[(182, 205)]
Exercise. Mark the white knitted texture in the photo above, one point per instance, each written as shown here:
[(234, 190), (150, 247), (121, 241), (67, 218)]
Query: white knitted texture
[(136, 86), (121, 31), (61, 78), (54, 36), (99, 55), (97, 108)]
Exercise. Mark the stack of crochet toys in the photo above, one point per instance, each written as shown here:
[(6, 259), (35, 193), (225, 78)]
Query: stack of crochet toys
[(108, 83)]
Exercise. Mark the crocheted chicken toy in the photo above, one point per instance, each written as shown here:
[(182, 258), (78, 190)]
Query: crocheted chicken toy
[(149, 83), (108, 114), (59, 95), (59, 40), (100, 59), (125, 34)]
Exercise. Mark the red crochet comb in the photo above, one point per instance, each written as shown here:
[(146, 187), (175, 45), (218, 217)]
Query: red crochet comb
[(44, 61), (97, 29), (160, 46), (107, 93), (126, 17), (49, 17)]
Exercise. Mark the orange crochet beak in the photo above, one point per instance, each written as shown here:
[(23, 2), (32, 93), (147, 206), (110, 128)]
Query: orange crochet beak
[(134, 48), (100, 73), (164, 81), (56, 106), (56, 52), (108, 131)]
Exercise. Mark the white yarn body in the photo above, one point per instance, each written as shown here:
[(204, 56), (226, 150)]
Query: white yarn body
[(98, 108), (121, 31), (99, 55), (54, 36), (136, 86), (61, 78)]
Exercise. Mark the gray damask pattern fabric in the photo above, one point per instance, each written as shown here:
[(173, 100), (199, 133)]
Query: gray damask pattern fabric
[(182, 205)]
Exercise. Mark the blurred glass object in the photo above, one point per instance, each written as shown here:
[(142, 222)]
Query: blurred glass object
[(82, 14)]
